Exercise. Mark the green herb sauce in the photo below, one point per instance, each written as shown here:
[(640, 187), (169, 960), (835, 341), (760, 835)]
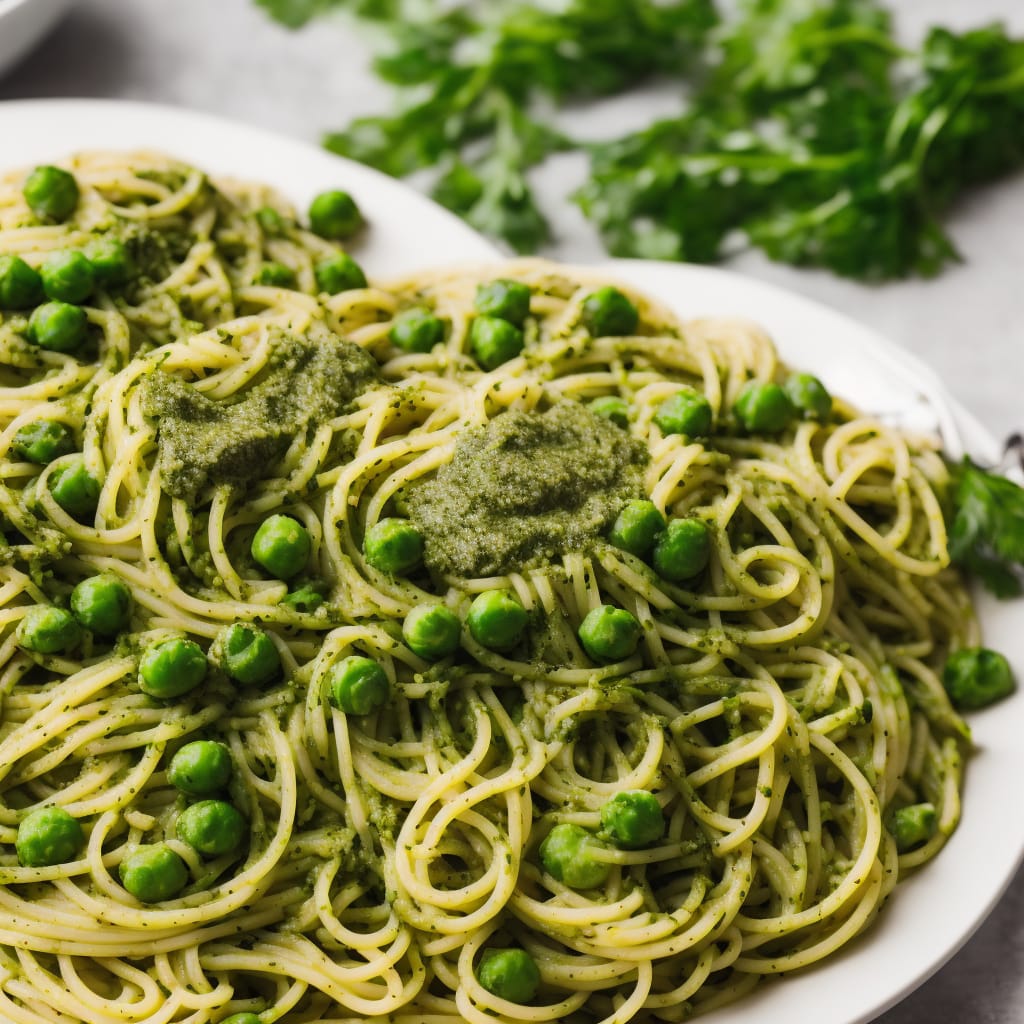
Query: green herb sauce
[(203, 441), (526, 488)]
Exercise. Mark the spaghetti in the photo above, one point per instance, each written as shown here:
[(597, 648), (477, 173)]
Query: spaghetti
[(780, 704)]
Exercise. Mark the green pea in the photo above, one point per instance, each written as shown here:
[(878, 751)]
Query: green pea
[(42, 441), (683, 550), (248, 655), (200, 768), (74, 488), (763, 408), (21, 287), (607, 312), (393, 546), (510, 974), (275, 275), (67, 277), (358, 685), (112, 264), (58, 326), (494, 341), (47, 629), (334, 215), (339, 273), (51, 193), (633, 819), (212, 827), (507, 300), (637, 527), (103, 604), (172, 667), (153, 873), (496, 619), (687, 412), (975, 677), (808, 396), (432, 631), (305, 600), (613, 408), (243, 1018), (282, 546), (48, 836), (270, 221), (609, 634), (416, 330), (913, 825), (567, 854)]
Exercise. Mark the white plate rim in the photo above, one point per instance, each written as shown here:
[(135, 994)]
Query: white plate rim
[(836, 992)]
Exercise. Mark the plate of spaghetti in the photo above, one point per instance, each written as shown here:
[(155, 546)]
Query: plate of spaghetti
[(500, 642)]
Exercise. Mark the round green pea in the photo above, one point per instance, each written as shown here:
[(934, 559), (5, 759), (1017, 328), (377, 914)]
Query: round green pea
[(153, 873), (510, 974), (51, 193), (975, 677), (282, 546), (809, 396), (58, 326), (567, 854), (416, 330), (339, 273), (74, 488), (67, 277), (334, 214), (613, 408), (172, 667), (763, 408), (275, 275), (47, 629), (633, 819), (494, 341), (243, 1018), (496, 619), (48, 836), (393, 546), (21, 287), (432, 631), (305, 600), (507, 300), (212, 827), (42, 441), (913, 825), (248, 655), (103, 604), (200, 768), (683, 550), (687, 412), (637, 528), (112, 264), (609, 633), (607, 312), (358, 685)]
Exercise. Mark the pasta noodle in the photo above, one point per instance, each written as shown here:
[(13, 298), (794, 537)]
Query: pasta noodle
[(780, 705)]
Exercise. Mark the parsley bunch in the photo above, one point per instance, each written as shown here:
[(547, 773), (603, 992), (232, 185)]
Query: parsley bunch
[(808, 133)]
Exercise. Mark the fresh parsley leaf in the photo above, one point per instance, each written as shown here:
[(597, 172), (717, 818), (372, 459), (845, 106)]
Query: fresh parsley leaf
[(986, 528)]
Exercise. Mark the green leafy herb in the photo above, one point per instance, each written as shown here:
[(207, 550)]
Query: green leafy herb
[(986, 528)]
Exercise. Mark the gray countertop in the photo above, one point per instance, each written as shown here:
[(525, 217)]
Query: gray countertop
[(225, 57)]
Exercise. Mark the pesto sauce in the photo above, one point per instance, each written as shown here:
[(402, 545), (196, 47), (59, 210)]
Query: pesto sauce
[(528, 487), (204, 441)]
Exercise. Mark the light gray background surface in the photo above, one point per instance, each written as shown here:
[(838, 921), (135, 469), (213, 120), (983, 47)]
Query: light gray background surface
[(226, 57)]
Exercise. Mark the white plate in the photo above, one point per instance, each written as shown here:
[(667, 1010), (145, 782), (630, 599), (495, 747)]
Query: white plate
[(408, 232), (934, 912), (931, 914), (23, 23)]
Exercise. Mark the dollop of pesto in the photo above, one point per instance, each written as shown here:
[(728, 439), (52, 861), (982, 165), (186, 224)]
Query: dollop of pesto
[(204, 441), (528, 487)]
